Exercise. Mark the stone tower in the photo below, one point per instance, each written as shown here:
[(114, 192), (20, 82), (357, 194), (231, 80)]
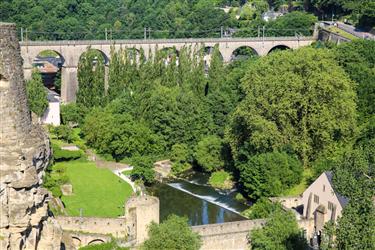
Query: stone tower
[(24, 154), (140, 211)]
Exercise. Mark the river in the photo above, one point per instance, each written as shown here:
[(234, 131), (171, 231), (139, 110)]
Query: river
[(200, 203)]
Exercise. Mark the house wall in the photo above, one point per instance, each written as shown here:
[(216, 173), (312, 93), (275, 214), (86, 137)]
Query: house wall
[(323, 189)]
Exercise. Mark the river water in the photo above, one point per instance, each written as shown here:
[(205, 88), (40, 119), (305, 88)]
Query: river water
[(193, 198)]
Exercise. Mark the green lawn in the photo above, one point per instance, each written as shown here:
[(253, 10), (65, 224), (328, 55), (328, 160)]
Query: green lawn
[(300, 188), (97, 191), (127, 172)]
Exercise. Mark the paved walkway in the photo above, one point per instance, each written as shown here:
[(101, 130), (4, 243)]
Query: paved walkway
[(119, 173)]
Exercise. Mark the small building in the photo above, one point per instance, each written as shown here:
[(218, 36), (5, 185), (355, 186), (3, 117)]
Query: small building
[(52, 114), (318, 204), (322, 202)]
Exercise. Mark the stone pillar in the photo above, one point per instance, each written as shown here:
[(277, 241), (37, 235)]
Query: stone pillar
[(69, 84), (27, 73), (106, 77)]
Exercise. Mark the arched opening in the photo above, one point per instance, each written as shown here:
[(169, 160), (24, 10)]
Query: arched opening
[(96, 241), (168, 54), (278, 48), (208, 52), (95, 56), (49, 64), (243, 53), (134, 54), (76, 241)]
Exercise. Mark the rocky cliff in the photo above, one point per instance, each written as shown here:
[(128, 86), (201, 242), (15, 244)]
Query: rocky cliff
[(24, 155)]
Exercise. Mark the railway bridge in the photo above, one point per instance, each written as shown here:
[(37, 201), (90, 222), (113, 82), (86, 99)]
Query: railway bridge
[(70, 52)]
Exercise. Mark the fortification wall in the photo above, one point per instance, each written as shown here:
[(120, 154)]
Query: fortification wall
[(228, 236), (114, 226)]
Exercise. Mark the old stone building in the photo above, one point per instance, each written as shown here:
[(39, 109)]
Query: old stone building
[(321, 202), (24, 155)]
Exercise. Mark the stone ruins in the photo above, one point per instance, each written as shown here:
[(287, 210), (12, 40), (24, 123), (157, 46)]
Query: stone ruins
[(24, 155)]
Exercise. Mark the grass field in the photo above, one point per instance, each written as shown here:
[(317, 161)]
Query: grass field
[(300, 188), (97, 191)]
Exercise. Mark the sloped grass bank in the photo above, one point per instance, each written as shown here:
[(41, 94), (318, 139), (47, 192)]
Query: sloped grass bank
[(98, 192)]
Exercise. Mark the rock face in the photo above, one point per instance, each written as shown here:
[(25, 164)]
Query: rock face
[(24, 154)]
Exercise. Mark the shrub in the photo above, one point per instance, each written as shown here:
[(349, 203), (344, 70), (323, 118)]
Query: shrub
[(63, 132), (104, 246), (72, 114), (208, 153), (179, 157), (221, 180), (263, 208), (268, 174), (65, 155), (173, 233)]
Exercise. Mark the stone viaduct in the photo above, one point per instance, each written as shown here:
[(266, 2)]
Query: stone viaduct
[(70, 52)]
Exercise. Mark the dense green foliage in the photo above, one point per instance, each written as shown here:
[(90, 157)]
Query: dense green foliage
[(55, 177), (262, 209), (91, 79), (173, 233), (280, 232), (128, 19), (305, 105), (65, 155), (104, 246), (63, 132), (180, 158), (208, 153), (268, 174), (221, 179), (36, 94), (354, 179), (72, 114)]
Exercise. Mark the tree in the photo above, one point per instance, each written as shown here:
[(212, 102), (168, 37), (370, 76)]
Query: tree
[(208, 153), (180, 158), (358, 60), (173, 233), (268, 174), (262, 209), (300, 100), (280, 232), (37, 94), (91, 90), (354, 179)]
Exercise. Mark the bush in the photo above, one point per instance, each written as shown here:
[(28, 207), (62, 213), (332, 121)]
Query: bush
[(280, 232), (63, 132), (143, 169), (179, 157), (268, 174), (239, 197), (208, 153), (221, 180), (173, 233), (72, 114), (65, 155), (262, 209), (105, 246)]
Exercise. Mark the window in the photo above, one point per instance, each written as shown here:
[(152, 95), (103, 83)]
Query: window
[(316, 199), (330, 206), (324, 188)]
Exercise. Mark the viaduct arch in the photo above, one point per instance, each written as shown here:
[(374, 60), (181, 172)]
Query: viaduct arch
[(71, 51)]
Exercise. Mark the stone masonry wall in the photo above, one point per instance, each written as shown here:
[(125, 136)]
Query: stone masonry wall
[(227, 236), (24, 154)]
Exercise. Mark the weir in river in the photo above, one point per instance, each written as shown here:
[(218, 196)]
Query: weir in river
[(199, 202)]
